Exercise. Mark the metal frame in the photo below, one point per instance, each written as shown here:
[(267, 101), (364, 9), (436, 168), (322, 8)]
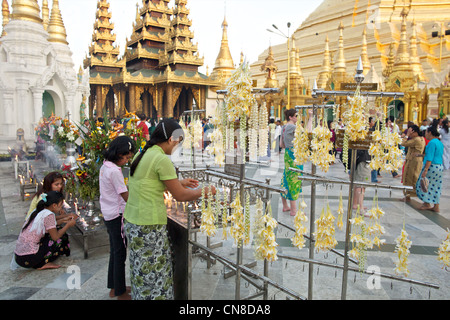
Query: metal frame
[(242, 271), (359, 78)]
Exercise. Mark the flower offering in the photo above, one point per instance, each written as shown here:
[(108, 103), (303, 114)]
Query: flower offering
[(402, 249), (267, 248), (240, 98), (237, 229), (322, 147), (301, 144), (355, 118), (444, 252), (325, 239), (300, 229)]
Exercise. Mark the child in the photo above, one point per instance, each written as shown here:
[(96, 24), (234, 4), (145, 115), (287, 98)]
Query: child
[(53, 181), (113, 197), (40, 242)]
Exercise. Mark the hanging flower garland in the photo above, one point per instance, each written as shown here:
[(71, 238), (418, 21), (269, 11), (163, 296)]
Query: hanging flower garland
[(322, 147), (187, 141), (355, 118), (301, 144), (258, 223), (208, 225), (237, 230), (267, 249), (217, 145), (247, 219), (240, 98), (444, 252), (325, 239), (253, 132), (384, 151), (197, 133), (263, 129), (243, 135), (403, 244), (224, 215), (374, 229), (359, 239), (300, 229)]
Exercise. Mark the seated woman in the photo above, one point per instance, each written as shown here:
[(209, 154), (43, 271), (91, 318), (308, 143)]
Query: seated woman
[(40, 242), (54, 181)]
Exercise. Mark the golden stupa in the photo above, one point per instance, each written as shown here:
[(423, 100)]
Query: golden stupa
[(383, 33)]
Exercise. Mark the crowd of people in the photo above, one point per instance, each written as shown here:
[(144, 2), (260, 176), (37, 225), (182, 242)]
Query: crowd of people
[(135, 215), (426, 150)]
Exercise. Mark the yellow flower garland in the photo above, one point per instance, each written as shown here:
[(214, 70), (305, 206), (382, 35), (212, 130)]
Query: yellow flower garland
[(267, 248), (300, 229), (325, 239), (355, 118), (321, 147), (384, 151), (237, 230), (240, 98), (301, 144), (402, 249), (444, 251)]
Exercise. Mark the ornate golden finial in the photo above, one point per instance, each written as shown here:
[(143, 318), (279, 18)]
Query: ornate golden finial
[(390, 62), (301, 80), (293, 57), (340, 65), (56, 29), (364, 56), (271, 69), (415, 59), (402, 59), (102, 51), (325, 74), (45, 14), (5, 13), (26, 10), (224, 66)]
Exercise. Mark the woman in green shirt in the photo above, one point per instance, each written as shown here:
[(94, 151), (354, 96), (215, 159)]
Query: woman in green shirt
[(151, 174)]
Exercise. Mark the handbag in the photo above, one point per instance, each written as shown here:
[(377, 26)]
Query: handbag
[(424, 184)]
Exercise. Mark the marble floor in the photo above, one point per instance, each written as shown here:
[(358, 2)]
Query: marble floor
[(426, 230)]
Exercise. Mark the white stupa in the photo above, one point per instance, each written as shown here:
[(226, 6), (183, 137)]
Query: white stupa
[(37, 75)]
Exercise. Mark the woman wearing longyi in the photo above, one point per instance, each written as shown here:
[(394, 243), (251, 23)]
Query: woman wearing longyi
[(151, 174)]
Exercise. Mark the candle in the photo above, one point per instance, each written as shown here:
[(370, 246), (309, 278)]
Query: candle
[(76, 209)]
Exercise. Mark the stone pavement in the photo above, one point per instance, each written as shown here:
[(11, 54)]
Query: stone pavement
[(426, 230)]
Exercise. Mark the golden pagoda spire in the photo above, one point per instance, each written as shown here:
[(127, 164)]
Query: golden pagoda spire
[(390, 61), (402, 59), (364, 56), (102, 51), (180, 49), (56, 29), (27, 10), (324, 75), (293, 67), (5, 13), (415, 59), (45, 14), (301, 80), (270, 67), (224, 66), (340, 65)]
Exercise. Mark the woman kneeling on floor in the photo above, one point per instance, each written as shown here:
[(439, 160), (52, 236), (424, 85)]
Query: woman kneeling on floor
[(40, 242)]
